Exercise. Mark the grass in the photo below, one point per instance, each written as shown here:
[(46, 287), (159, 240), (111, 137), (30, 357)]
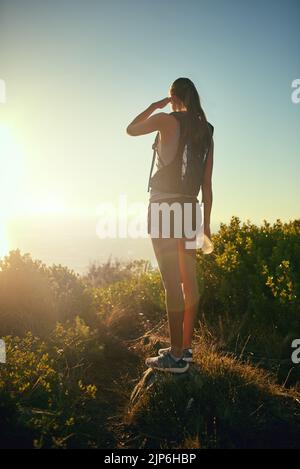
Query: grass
[(219, 403)]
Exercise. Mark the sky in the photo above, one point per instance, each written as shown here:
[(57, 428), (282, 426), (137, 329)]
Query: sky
[(78, 72)]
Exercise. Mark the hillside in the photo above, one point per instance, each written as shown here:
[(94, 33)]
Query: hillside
[(75, 374)]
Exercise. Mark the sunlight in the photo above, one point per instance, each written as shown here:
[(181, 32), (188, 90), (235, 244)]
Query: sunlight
[(11, 174), (11, 171), (13, 200), (46, 205)]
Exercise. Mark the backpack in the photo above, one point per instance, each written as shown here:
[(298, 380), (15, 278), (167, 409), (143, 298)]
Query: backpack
[(184, 175)]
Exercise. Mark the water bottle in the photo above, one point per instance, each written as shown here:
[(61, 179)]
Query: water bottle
[(207, 246)]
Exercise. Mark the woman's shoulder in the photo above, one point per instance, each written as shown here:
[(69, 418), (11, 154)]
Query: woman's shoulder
[(171, 121), (168, 120)]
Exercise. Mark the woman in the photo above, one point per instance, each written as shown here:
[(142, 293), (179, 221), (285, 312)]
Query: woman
[(176, 262)]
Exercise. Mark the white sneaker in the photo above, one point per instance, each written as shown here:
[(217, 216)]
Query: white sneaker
[(187, 353), (166, 362)]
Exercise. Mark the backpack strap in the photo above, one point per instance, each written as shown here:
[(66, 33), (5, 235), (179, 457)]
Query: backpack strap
[(154, 146), (208, 150)]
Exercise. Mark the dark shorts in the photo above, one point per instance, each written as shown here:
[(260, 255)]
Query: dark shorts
[(169, 221)]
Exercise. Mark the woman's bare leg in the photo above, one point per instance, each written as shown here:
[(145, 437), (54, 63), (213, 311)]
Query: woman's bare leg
[(167, 255), (187, 263)]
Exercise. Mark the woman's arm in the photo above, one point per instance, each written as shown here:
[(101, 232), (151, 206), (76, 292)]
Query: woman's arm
[(207, 196), (143, 124)]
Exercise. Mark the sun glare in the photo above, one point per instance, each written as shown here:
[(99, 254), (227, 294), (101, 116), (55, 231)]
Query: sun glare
[(46, 205), (14, 200), (11, 171)]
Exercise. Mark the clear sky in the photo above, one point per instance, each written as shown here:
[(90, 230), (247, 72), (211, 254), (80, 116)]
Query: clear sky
[(77, 73)]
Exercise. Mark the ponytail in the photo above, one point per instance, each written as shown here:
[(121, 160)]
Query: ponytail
[(197, 129)]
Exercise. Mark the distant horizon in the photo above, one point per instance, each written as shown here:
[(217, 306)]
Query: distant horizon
[(75, 245)]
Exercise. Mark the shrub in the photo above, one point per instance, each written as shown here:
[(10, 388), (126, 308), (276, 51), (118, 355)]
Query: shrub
[(33, 296), (250, 285), (59, 393), (131, 307), (100, 275)]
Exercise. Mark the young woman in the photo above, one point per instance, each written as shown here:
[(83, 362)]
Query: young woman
[(176, 262)]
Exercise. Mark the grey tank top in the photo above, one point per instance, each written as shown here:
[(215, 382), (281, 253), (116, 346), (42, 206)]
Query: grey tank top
[(167, 154)]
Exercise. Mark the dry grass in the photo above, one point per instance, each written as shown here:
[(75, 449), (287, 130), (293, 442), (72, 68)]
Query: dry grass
[(219, 403)]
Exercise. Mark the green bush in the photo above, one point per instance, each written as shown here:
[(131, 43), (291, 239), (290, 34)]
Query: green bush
[(131, 307), (100, 275), (59, 393), (33, 296), (250, 285)]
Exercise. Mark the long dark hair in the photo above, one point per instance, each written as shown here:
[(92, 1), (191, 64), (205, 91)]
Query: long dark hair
[(196, 128)]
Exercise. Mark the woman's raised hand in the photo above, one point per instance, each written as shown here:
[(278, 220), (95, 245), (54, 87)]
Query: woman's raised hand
[(162, 103)]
